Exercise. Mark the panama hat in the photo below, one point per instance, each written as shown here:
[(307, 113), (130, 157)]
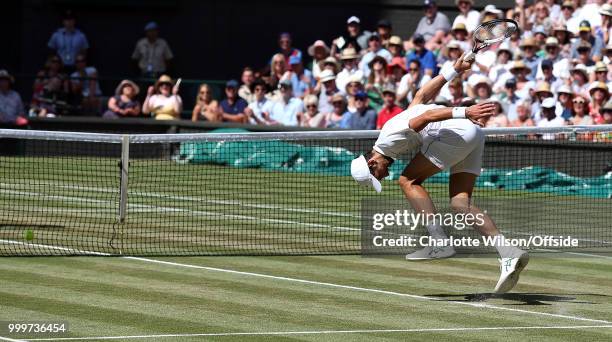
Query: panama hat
[(163, 79), (327, 75), (348, 53), (124, 83), (317, 44)]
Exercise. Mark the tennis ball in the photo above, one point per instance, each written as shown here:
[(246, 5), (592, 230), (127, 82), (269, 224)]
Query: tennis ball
[(29, 235)]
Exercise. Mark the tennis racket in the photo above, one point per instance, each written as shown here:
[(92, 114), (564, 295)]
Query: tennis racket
[(489, 33)]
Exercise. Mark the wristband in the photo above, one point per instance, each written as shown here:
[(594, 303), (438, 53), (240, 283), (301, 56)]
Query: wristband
[(459, 112), (449, 72)]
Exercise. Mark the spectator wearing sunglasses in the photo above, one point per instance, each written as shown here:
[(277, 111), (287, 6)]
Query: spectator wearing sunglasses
[(531, 60), (364, 116), (580, 112), (585, 35), (206, 108), (411, 82), (601, 74), (311, 116), (287, 109), (255, 109)]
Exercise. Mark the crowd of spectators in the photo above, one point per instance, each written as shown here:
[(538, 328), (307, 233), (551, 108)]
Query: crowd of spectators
[(556, 71)]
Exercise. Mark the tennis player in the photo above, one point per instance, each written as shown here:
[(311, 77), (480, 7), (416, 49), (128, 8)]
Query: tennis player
[(449, 138)]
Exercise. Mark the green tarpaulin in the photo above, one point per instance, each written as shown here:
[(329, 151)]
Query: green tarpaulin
[(293, 157)]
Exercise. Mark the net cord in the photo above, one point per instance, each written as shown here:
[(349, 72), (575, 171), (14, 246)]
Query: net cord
[(251, 136)]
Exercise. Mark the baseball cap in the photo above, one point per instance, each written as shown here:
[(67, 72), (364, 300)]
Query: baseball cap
[(295, 59), (418, 39), (353, 20), (384, 23), (548, 103), (585, 26), (231, 84), (361, 95), (285, 83), (151, 26), (361, 174), (428, 3), (547, 63), (510, 83)]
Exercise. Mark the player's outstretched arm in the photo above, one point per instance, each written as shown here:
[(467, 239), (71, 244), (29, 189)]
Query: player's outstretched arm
[(473, 113), (429, 91)]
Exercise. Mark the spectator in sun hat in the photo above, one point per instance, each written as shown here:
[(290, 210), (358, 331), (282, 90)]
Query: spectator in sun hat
[(353, 38), (481, 88), (460, 34), (585, 35), (542, 92), (433, 26), (330, 63), (152, 54), (353, 86), (564, 98), (563, 36), (605, 31), (11, 106), (560, 64), (389, 109), (302, 80), (523, 85), (396, 47), (163, 100), (124, 104), (549, 118), (607, 54), (374, 49), (318, 51), (68, 41), (490, 12), (580, 112), (426, 58), (579, 78), (531, 60), (384, 29), (363, 116), (450, 53), (233, 106), (600, 94), (601, 74), (606, 113), (349, 58), (467, 16), (327, 86), (378, 76), (287, 109)]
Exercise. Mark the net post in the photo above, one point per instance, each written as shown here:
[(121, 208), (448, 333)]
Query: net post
[(124, 172)]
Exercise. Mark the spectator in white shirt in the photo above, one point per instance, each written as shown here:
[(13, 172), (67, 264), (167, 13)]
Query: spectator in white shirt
[(287, 110), (467, 15), (349, 59), (255, 109), (549, 118), (412, 81)]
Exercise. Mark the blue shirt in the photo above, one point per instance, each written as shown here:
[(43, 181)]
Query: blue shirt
[(237, 108), (532, 63), (427, 59), (299, 86), (68, 44), (285, 113), (363, 120)]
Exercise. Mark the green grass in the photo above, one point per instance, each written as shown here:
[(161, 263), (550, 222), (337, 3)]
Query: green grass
[(188, 209)]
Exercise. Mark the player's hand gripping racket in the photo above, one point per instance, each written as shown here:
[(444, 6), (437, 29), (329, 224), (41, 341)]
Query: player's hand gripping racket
[(489, 33)]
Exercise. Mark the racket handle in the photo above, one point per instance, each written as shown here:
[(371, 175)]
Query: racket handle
[(469, 56)]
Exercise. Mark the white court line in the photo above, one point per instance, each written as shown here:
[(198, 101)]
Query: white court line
[(321, 332), (313, 282), (191, 199), (2, 338), (170, 209)]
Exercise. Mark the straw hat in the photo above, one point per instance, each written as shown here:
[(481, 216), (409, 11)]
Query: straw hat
[(552, 41), (353, 79), (388, 88), (348, 53), (317, 44), (600, 66), (519, 65), (529, 41), (606, 9), (395, 40), (543, 87), (124, 83), (330, 60), (459, 27), (327, 75), (481, 79), (598, 85), (563, 89), (606, 107), (562, 28), (163, 79)]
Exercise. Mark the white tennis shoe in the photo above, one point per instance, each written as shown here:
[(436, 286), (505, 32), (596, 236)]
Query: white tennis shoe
[(510, 270), (429, 253)]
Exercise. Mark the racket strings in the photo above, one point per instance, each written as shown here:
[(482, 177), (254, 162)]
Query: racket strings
[(494, 32)]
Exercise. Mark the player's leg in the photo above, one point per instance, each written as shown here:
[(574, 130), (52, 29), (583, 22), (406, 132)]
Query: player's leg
[(411, 181), (462, 180)]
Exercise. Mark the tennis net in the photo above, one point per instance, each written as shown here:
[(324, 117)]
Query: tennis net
[(275, 193)]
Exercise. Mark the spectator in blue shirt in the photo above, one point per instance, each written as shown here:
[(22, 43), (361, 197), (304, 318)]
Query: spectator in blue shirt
[(424, 56), (302, 80), (288, 109), (364, 117), (68, 41), (232, 108), (585, 35)]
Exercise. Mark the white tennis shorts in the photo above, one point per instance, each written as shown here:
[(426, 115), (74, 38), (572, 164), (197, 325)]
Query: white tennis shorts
[(457, 144)]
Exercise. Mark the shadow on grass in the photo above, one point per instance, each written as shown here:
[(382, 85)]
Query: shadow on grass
[(522, 298)]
